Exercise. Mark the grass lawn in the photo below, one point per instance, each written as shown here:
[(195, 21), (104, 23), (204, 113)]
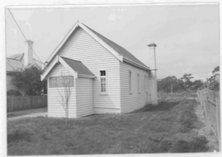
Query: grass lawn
[(25, 112), (167, 127)]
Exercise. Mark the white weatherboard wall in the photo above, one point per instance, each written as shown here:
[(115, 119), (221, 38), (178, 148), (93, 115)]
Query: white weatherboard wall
[(55, 109), (81, 46), (135, 100), (84, 97)]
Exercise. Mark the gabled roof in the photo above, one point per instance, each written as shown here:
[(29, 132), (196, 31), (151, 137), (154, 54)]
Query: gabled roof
[(122, 51), (119, 52), (15, 63), (76, 68), (18, 56)]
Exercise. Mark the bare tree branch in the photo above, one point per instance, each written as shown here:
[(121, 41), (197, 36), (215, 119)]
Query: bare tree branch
[(65, 96)]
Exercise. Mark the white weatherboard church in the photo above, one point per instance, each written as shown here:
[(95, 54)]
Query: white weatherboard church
[(103, 77)]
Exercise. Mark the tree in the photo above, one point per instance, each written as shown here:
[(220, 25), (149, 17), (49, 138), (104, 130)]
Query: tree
[(186, 78), (170, 84), (28, 80), (196, 85), (65, 95), (214, 81)]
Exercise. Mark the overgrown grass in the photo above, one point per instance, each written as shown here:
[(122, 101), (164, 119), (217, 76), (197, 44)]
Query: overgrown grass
[(188, 117), (153, 129), (198, 144)]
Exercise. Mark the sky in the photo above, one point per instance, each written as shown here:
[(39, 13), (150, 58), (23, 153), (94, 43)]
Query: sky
[(187, 36)]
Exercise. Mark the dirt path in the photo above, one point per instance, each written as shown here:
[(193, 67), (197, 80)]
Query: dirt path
[(205, 129), (44, 114), (41, 112)]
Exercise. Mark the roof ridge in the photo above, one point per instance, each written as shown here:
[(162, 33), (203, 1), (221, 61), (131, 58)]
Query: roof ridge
[(17, 55), (103, 36)]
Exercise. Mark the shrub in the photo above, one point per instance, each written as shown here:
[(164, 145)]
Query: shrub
[(13, 92)]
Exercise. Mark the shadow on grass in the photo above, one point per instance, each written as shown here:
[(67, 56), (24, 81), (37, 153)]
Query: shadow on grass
[(162, 106)]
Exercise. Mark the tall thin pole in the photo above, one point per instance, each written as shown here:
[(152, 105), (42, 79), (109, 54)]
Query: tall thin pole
[(154, 88), (155, 60), (155, 56)]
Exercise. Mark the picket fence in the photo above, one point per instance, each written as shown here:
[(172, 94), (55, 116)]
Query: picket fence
[(210, 101), (17, 103)]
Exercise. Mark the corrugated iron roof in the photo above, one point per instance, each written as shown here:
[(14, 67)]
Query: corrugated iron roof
[(17, 56), (13, 65), (122, 51), (78, 66), (16, 62)]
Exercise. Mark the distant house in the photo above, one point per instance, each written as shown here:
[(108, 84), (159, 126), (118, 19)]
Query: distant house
[(103, 76), (17, 62)]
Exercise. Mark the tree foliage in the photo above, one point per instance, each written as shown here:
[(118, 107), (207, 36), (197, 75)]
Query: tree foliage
[(214, 81), (187, 82), (29, 81), (13, 92), (197, 84), (171, 84)]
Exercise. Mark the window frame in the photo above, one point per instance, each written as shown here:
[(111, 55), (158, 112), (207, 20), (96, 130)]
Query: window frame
[(130, 81), (100, 82)]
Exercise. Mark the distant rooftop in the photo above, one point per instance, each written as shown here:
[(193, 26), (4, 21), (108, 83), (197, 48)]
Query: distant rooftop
[(16, 62)]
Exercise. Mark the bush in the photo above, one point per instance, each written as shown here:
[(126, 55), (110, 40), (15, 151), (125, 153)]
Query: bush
[(13, 92)]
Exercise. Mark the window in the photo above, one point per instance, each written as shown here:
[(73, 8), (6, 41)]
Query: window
[(138, 82), (130, 81), (103, 81)]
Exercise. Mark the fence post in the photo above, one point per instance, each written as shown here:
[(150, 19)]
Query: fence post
[(206, 108), (13, 103)]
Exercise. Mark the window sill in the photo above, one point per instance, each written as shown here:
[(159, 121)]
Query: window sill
[(103, 94)]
